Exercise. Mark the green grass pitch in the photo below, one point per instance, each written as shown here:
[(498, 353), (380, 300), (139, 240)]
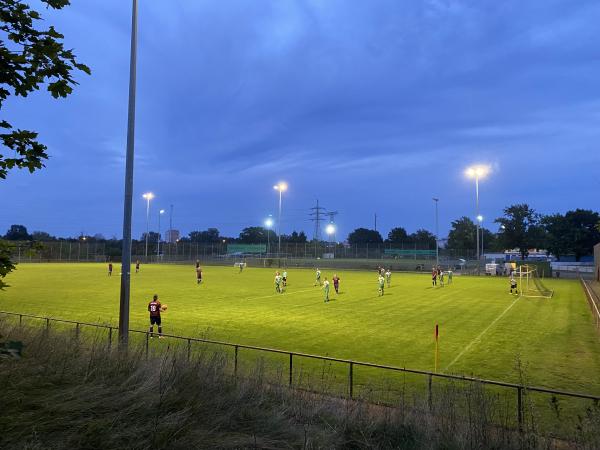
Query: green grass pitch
[(483, 329)]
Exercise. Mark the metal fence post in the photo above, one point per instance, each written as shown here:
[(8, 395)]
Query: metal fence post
[(147, 343), (189, 349), (20, 320), (47, 324), (520, 407), (430, 398), (110, 338), (291, 368), (235, 361), (351, 380), (77, 331)]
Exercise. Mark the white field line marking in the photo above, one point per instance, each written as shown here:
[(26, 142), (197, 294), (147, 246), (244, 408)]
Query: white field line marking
[(474, 341)]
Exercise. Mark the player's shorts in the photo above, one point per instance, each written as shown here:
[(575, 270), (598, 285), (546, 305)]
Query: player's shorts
[(155, 320), (284, 278)]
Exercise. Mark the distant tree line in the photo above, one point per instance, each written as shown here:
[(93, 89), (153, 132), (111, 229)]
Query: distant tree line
[(520, 227)]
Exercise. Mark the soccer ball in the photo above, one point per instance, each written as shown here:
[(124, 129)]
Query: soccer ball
[(163, 308)]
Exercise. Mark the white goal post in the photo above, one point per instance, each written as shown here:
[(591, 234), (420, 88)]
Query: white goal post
[(530, 284)]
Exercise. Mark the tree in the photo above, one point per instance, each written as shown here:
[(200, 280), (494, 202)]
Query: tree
[(365, 236), (208, 236), (42, 236), (557, 235), (520, 228), (423, 238), (255, 235), (294, 238), (17, 233), (32, 57), (463, 234), (397, 235), (582, 233)]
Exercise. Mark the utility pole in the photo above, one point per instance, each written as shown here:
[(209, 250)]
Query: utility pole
[(171, 224), (437, 237), (375, 222)]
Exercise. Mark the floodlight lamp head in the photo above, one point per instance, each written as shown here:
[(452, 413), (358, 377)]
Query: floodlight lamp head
[(269, 223), (330, 229), (162, 211), (281, 186), (479, 171), (480, 218), (148, 195)]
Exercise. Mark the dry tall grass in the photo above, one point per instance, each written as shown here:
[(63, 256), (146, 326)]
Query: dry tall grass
[(67, 394)]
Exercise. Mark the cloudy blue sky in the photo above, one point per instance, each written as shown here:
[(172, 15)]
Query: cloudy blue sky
[(369, 106)]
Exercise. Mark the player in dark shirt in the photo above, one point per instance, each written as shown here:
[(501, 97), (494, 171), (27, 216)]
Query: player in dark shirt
[(199, 275), (154, 307), (137, 266), (109, 269), (434, 274), (336, 283), (197, 264)]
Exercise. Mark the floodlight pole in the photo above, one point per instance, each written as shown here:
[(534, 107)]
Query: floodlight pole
[(147, 224), (437, 238), (279, 226), (160, 212), (128, 198), (478, 227)]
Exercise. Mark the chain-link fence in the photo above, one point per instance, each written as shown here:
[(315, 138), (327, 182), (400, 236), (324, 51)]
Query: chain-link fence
[(58, 251)]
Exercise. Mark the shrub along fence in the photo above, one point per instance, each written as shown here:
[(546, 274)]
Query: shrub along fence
[(557, 411)]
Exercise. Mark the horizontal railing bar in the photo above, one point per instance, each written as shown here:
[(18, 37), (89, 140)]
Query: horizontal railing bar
[(338, 360)]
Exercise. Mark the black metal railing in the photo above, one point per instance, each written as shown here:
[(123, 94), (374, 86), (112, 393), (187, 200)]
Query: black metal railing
[(518, 389)]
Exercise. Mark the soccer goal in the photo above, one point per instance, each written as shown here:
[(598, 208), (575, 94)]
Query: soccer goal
[(530, 284)]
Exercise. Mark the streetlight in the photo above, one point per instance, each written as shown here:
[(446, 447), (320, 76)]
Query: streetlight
[(148, 196), (128, 194), (281, 187), (160, 213), (480, 220), (437, 238), (477, 172), (268, 224), (330, 230)]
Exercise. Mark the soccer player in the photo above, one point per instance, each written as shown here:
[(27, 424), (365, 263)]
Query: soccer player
[(110, 269), (284, 278), (441, 273), (388, 277), (278, 283), (513, 285), (155, 307), (336, 283), (449, 276), (433, 276), (318, 279), (137, 266), (381, 285), (198, 275), (326, 290), (197, 264), (241, 267)]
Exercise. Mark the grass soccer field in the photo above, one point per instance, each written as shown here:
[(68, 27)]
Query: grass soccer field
[(483, 329)]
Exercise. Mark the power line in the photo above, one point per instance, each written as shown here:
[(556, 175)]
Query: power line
[(317, 216)]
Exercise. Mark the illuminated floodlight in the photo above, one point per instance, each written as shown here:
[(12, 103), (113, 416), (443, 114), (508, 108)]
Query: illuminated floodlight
[(480, 218), (330, 229), (148, 195), (479, 171), (269, 223), (281, 186)]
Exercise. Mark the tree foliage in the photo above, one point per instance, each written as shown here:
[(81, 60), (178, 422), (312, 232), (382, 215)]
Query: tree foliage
[(365, 236), (30, 56), (423, 238), (210, 235), (397, 235), (520, 228), (463, 234), (17, 233)]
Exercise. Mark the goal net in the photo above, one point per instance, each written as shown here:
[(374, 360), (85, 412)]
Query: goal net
[(530, 284)]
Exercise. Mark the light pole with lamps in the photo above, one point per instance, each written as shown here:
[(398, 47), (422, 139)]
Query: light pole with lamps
[(148, 196), (477, 172), (268, 224), (281, 187), (160, 213), (437, 238), (128, 195), (480, 222)]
